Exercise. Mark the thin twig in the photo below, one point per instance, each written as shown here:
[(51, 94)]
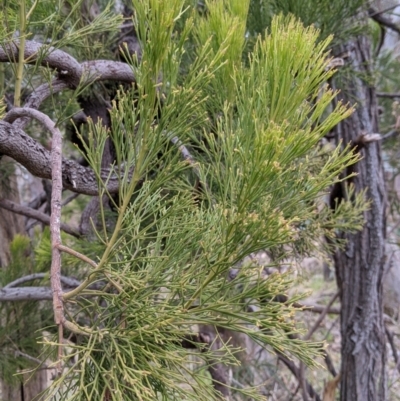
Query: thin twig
[(77, 255), (38, 201), (329, 363), (391, 134), (35, 214), (69, 199), (295, 371), (30, 358), (383, 11), (380, 19), (90, 262), (68, 281), (388, 95), (317, 309), (320, 318)]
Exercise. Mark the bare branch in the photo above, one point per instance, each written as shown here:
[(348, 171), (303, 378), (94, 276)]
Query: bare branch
[(77, 255), (296, 372), (92, 71), (388, 95), (35, 214), (318, 309), (12, 294), (26, 294), (69, 69), (391, 134), (16, 144), (321, 317), (30, 358), (55, 217), (71, 73), (382, 20), (38, 96), (38, 201), (382, 11), (69, 199), (68, 281), (101, 70), (17, 112)]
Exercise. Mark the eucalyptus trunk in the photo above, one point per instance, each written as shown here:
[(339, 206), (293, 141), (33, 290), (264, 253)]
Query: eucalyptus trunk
[(360, 265)]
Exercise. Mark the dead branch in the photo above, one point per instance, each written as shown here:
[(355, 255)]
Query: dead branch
[(25, 294), (71, 73), (35, 214), (388, 95), (68, 281), (329, 363), (13, 294)]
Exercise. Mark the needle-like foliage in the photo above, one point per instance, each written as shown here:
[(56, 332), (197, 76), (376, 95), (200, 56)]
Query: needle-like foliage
[(251, 179)]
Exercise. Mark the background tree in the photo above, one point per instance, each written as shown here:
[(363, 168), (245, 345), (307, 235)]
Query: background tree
[(361, 266), (200, 160)]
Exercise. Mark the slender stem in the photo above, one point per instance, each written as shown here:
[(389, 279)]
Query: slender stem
[(77, 255), (117, 229), (55, 234), (35, 214), (21, 54), (31, 10)]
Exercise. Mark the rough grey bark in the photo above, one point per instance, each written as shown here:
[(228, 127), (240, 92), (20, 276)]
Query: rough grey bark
[(36, 159), (360, 266)]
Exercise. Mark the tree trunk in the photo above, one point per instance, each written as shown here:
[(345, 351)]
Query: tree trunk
[(360, 266)]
